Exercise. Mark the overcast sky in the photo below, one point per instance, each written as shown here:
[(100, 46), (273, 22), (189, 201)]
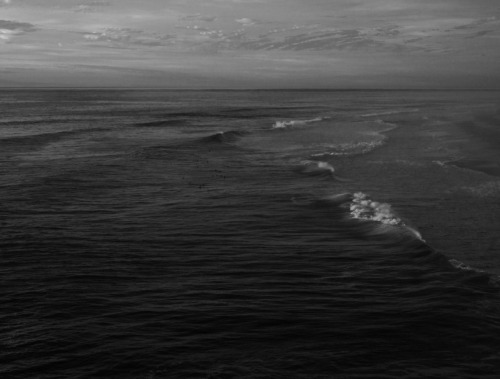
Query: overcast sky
[(251, 43)]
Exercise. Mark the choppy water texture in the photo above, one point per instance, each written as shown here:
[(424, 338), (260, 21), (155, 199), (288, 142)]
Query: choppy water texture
[(258, 234)]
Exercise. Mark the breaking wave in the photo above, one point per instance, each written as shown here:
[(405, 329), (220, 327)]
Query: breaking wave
[(378, 218), (363, 208), (315, 168)]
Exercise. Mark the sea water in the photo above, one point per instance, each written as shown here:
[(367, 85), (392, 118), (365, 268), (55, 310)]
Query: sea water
[(249, 234)]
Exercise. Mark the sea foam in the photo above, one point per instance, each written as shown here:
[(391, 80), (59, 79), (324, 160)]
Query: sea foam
[(292, 123), (349, 149)]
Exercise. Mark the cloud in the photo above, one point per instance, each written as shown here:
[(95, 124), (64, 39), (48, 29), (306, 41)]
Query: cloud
[(5, 2), (122, 37), (198, 17), (247, 21), (84, 9), (321, 39), (90, 6), (17, 26), (97, 3), (9, 29)]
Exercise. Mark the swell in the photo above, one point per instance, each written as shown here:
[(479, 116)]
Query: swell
[(225, 137), (46, 121), (192, 148), (485, 127), (162, 123), (235, 113), (44, 138), (485, 166)]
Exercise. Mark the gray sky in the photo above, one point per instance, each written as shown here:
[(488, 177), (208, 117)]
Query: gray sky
[(251, 43)]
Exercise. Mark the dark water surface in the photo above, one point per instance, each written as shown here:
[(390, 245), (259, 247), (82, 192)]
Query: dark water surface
[(252, 234)]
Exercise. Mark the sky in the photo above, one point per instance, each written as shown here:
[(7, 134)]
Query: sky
[(331, 44)]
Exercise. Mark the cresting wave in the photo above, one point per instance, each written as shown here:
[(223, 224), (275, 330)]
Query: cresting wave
[(226, 137), (318, 169), (315, 168), (292, 123)]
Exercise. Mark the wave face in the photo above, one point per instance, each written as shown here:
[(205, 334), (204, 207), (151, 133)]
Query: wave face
[(177, 234)]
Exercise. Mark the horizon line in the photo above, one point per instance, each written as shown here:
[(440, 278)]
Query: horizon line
[(244, 89)]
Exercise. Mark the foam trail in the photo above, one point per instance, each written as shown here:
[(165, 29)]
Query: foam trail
[(349, 149), (291, 123), (360, 147), (388, 113)]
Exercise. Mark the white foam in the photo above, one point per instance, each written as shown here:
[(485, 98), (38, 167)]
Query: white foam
[(352, 148), (362, 207), (485, 190), (292, 123)]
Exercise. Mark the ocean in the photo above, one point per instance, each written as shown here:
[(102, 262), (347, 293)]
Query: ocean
[(249, 234)]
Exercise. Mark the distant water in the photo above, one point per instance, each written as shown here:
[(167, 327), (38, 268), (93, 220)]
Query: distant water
[(252, 234)]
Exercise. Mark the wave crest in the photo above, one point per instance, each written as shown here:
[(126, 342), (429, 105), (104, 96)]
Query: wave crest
[(315, 168), (226, 137)]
